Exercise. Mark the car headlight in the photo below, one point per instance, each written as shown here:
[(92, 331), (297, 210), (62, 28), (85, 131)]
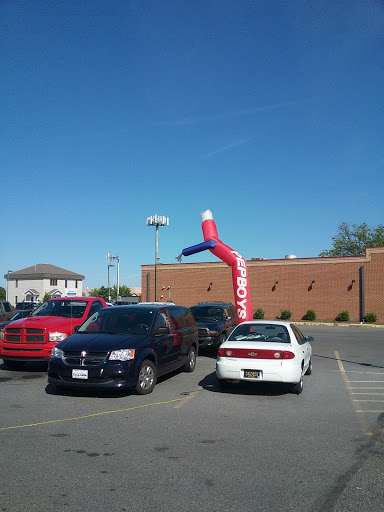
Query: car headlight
[(1, 335), (57, 352), (124, 354), (57, 336)]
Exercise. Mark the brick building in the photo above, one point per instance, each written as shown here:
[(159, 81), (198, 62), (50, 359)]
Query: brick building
[(326, 285)]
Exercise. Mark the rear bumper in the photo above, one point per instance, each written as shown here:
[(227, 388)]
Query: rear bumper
[(289, 374)]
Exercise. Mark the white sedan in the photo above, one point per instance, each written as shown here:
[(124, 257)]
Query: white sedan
[(265, 351)]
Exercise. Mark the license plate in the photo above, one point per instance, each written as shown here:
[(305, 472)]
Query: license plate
[(252, 374), (79, 374)]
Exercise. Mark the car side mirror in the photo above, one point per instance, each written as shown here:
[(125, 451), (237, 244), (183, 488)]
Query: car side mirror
[(309, 338), (76, 328), (229, 318), (162, 331)]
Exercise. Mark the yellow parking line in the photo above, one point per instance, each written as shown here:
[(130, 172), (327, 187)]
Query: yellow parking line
[(379, 401), (362, 419), (376, 412), (94, 414), (366, 381)]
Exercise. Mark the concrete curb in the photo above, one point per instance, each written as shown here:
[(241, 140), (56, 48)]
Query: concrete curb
[(341, 324)]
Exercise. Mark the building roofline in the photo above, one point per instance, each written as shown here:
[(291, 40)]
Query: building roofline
[(362, 258)]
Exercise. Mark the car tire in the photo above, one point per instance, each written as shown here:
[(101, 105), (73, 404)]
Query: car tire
[(13, 365), (190, 363), (309, 369), (298, 388), (147, 378)]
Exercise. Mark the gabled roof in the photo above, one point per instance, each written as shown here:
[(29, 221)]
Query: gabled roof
[(43, 271)]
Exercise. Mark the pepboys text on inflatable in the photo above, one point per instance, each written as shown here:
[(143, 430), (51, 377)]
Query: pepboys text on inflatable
[(230, 257)]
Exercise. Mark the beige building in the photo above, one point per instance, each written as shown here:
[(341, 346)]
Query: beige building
[(32, 283)]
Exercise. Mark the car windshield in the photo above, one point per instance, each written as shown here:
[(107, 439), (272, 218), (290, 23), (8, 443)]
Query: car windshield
[(260, 332), (119, 320), (65, 308), (207, 313)]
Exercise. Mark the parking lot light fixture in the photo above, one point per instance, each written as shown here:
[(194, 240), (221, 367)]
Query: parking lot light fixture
[(9, 272), (157, 221), (110, 257)]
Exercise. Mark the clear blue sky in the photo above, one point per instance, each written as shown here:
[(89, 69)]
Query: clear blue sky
[(267, 112)]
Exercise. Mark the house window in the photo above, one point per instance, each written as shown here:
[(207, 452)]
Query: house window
[(75, 284), (15, 299), (53, 282), (66, 283), (16, 283)]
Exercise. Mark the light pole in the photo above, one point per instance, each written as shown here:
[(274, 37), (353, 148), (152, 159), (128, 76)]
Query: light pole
[(157, 221), (110, 257), (9, 271), (109, 286)]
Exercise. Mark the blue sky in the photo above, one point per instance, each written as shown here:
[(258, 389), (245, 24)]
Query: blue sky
[(267, 112)]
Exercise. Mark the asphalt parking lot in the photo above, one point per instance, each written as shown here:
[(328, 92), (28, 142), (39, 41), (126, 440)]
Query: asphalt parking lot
[(190, 447)]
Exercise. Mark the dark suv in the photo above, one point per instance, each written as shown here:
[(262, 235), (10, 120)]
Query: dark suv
[(215, 321), (126, 347), (6, 311), (21, 306)]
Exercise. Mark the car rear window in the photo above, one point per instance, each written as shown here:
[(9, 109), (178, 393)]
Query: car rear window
[(207, 313), (260, 332)]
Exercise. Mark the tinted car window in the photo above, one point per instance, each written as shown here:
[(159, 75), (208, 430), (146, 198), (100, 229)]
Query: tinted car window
[(188, 317), (7, 307), (177, 318), (95, 307), (204, 313), (298, 334)]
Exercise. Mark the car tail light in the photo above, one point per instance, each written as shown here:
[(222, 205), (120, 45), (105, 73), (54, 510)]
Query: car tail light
[(250, 353)]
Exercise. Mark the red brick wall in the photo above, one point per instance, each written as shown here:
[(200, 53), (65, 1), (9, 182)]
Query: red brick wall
[(331, 292)]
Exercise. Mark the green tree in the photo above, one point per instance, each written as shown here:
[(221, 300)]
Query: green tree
[(124, 291), (3, 293), (100, 292), (352, 240)]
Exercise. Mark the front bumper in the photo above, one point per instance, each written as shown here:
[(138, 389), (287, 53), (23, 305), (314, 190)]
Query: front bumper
[(111, 374), (26, 351)]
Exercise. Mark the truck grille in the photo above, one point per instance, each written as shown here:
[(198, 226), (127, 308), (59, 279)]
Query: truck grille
[(203, 332), (90, 359), (23, 335)]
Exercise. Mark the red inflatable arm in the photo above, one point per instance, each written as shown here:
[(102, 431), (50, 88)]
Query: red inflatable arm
[(231, 258)]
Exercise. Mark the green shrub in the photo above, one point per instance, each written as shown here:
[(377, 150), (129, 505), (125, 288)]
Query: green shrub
[(370, 318), (258, 314), (285, 314), (310, 315), (343, 317)]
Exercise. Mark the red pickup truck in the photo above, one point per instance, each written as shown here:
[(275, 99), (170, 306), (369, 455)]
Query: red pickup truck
[(32, 338)]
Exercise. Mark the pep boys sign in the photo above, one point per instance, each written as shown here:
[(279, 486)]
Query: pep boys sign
[(230, 257)]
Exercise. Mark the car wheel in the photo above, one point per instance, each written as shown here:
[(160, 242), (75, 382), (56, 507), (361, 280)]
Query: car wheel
[(13, 365), (298, 388), (147, 378), (309, 369), (190, 364)]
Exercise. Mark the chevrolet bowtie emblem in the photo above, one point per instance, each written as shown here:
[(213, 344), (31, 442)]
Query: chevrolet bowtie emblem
[(252, 354)]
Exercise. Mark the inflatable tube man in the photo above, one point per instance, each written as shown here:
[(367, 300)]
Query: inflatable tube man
[(232, 259)]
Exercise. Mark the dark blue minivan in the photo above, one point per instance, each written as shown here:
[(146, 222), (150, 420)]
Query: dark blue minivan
[(126, 347)]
